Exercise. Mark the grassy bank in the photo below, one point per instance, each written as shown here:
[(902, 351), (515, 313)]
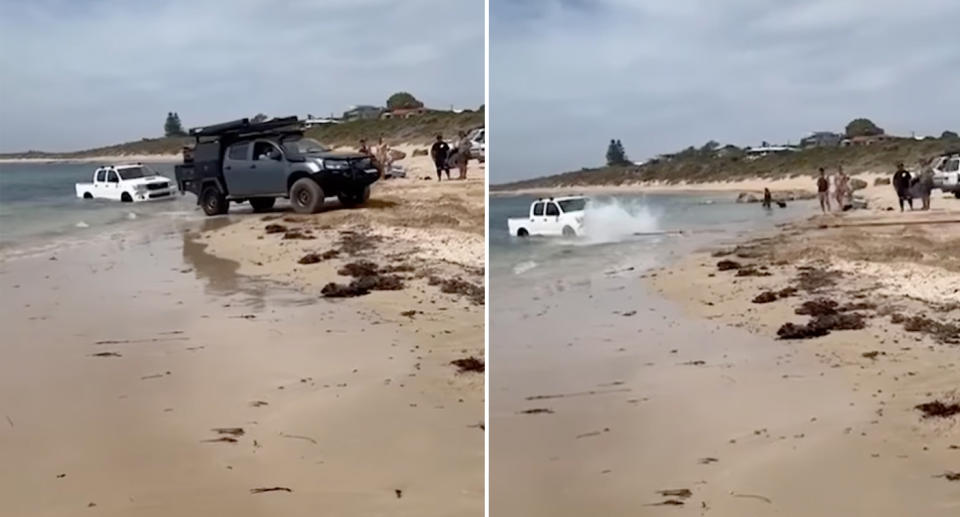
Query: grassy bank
[(694, 166), (417, 130)]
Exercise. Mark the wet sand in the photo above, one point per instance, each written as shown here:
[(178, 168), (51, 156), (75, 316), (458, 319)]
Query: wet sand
[(123, 358), (608, 390)]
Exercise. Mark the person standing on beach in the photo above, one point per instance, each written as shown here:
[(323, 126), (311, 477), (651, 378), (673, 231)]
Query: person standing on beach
[(383, 156), (439, 151), (901, 183), (363, 149), (840, 183), (767, 198), (463, 155), (823, 191)]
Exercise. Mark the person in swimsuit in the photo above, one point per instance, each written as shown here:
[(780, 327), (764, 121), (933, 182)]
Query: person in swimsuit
[(823, 191)]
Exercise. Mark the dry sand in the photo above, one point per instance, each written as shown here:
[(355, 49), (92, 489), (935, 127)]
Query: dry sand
[(604, 394), (124, 356)]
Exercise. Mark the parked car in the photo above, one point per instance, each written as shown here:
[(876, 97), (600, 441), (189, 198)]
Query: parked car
[(242, 161), (127, 183), (478, 144), (552, 216), (946, 172)]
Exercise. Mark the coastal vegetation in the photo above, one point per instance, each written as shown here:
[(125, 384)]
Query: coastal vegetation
[(421, 129), (711, 162)]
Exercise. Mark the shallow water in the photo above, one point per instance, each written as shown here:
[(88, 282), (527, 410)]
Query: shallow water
[(38, 204), (619, 235)]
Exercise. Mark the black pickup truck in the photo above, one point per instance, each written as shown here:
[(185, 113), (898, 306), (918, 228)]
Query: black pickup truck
[(258, 162)]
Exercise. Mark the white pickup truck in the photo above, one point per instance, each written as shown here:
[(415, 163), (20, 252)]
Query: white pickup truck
[(552, 216), (127, 183), (946, 173)]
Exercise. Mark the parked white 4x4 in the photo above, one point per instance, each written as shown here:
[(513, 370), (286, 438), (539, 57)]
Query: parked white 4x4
[(553, 216), (127, 183), (946, 173)]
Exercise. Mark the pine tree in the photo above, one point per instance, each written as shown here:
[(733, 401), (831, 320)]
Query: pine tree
[(616, 155), (173, 127)]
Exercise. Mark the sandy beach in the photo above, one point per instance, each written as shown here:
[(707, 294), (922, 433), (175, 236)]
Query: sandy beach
[(668, 391), (199, 369)]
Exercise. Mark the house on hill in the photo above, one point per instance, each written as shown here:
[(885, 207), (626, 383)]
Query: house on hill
[(865, 140), (765, 150), (363, 112), (821, 139), (403, 113)]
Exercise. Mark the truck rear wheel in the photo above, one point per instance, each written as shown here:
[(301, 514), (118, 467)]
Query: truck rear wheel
[(956, 194), (126, 198), (87, 195), (522, 232), (306, 196), (213, 201), (354, 198), (262, 204), (569, 232)]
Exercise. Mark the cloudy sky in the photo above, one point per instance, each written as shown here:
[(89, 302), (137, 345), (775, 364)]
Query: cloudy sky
[(566, 76), (84, 73)]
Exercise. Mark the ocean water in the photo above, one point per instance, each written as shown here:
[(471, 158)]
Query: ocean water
[(39, 207), (613, 223)]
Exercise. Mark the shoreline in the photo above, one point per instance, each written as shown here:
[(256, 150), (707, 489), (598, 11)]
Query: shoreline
[(751, 184), (669, 378), (219, 376), (106, 159)]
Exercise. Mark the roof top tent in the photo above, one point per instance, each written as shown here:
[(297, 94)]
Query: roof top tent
[(243, 127)]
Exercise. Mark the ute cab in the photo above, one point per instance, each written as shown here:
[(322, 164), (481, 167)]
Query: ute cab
[(127, 183), (946, 172), (551, 217)]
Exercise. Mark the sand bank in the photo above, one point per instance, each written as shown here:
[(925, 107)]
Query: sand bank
[(168, 374), (643, 392)]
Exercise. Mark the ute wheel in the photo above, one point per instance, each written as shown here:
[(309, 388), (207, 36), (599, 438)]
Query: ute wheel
[(213, 201), (569, 232), (522, 232), (126, 198), (262, 204), (87, 195), (956, 194), (306, 196), (354, 198)]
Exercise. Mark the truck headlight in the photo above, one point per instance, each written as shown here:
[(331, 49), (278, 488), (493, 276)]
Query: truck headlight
[(140, 188), (336, 165)]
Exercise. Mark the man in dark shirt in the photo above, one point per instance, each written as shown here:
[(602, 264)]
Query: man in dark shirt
[(823, 191), (439, 152), (901, 183)]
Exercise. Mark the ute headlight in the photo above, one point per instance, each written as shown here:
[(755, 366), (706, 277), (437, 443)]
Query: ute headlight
[(336, 165), (140, 188)]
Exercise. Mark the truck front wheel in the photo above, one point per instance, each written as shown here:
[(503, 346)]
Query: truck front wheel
[(354, 198), (306, 196), (213, 201), (262, 204)]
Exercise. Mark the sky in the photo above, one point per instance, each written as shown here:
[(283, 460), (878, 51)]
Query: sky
[(78, 74), (566, 76)]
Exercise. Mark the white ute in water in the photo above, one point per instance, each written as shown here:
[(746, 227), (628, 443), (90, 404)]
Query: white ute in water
[(127, 183), (553, 216)]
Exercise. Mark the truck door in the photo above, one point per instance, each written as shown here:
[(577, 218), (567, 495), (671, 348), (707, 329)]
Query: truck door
[(99, 183), (536, 218), (269, 169), (552, 219), (112, 186), (236, 168)]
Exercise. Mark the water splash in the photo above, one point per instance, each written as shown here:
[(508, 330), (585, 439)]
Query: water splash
[(616, 220), (523, 267)]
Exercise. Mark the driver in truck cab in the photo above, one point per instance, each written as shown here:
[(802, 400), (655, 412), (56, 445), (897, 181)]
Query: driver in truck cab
[(269, 153)]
